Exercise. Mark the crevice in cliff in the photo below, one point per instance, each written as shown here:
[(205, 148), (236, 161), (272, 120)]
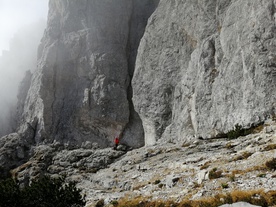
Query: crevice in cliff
[(273, 11), (55, 125), (54, 120), (141, 11)]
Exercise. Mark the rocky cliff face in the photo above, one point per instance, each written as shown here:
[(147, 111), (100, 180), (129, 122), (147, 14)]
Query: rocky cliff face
[(81, 90), (203, 67)]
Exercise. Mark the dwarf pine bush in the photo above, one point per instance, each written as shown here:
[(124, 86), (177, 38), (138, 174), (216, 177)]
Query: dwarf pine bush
[(9, 193), (45, 192), (238, 131)]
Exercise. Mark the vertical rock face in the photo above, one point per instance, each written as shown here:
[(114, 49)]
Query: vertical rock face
[(80, 91), (203, 67)]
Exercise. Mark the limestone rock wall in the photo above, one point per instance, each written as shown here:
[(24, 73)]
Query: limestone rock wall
[(81, 89), (205, 66), (202, 67)]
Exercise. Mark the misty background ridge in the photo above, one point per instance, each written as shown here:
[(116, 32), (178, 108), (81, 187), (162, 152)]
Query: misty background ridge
[(21, 57), (16, 14)]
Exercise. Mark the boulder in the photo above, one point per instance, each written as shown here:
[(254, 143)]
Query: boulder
[(202, 175), (171, 180), (239, 204)]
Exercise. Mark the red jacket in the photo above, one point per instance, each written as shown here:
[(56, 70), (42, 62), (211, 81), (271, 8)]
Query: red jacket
[(116, 140)]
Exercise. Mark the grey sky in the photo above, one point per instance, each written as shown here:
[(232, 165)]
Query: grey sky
[(15, 14)]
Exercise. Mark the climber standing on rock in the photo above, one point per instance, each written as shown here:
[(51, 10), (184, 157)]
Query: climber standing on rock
[(116, 142)]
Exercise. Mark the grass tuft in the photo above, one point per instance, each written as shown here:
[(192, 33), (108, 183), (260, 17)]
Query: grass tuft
[(243, 156), (255, 197), (214, 173), (269, 147), (224, 185), (271, 164)]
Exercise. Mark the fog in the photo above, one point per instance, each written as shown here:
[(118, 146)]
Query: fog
[(22, 24)]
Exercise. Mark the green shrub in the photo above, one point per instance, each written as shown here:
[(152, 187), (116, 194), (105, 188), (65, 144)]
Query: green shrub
[(114, 203), (9, 193), (46, 192), (3, 173), (262, 175), (238, 131), (224, 185)]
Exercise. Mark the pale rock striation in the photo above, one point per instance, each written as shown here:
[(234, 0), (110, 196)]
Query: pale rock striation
[(203, 67)]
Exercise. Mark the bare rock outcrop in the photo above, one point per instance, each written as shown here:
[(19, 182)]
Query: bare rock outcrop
[(14, 151), (203, 67), (56, 161)]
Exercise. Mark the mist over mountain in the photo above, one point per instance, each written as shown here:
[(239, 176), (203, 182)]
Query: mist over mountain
[(21, 57)]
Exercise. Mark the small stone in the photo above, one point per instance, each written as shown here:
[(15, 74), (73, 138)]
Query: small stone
[(201, 176), (171, 180), (239, 204)]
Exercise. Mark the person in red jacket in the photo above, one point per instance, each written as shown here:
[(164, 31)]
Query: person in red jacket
[(116, 141)]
